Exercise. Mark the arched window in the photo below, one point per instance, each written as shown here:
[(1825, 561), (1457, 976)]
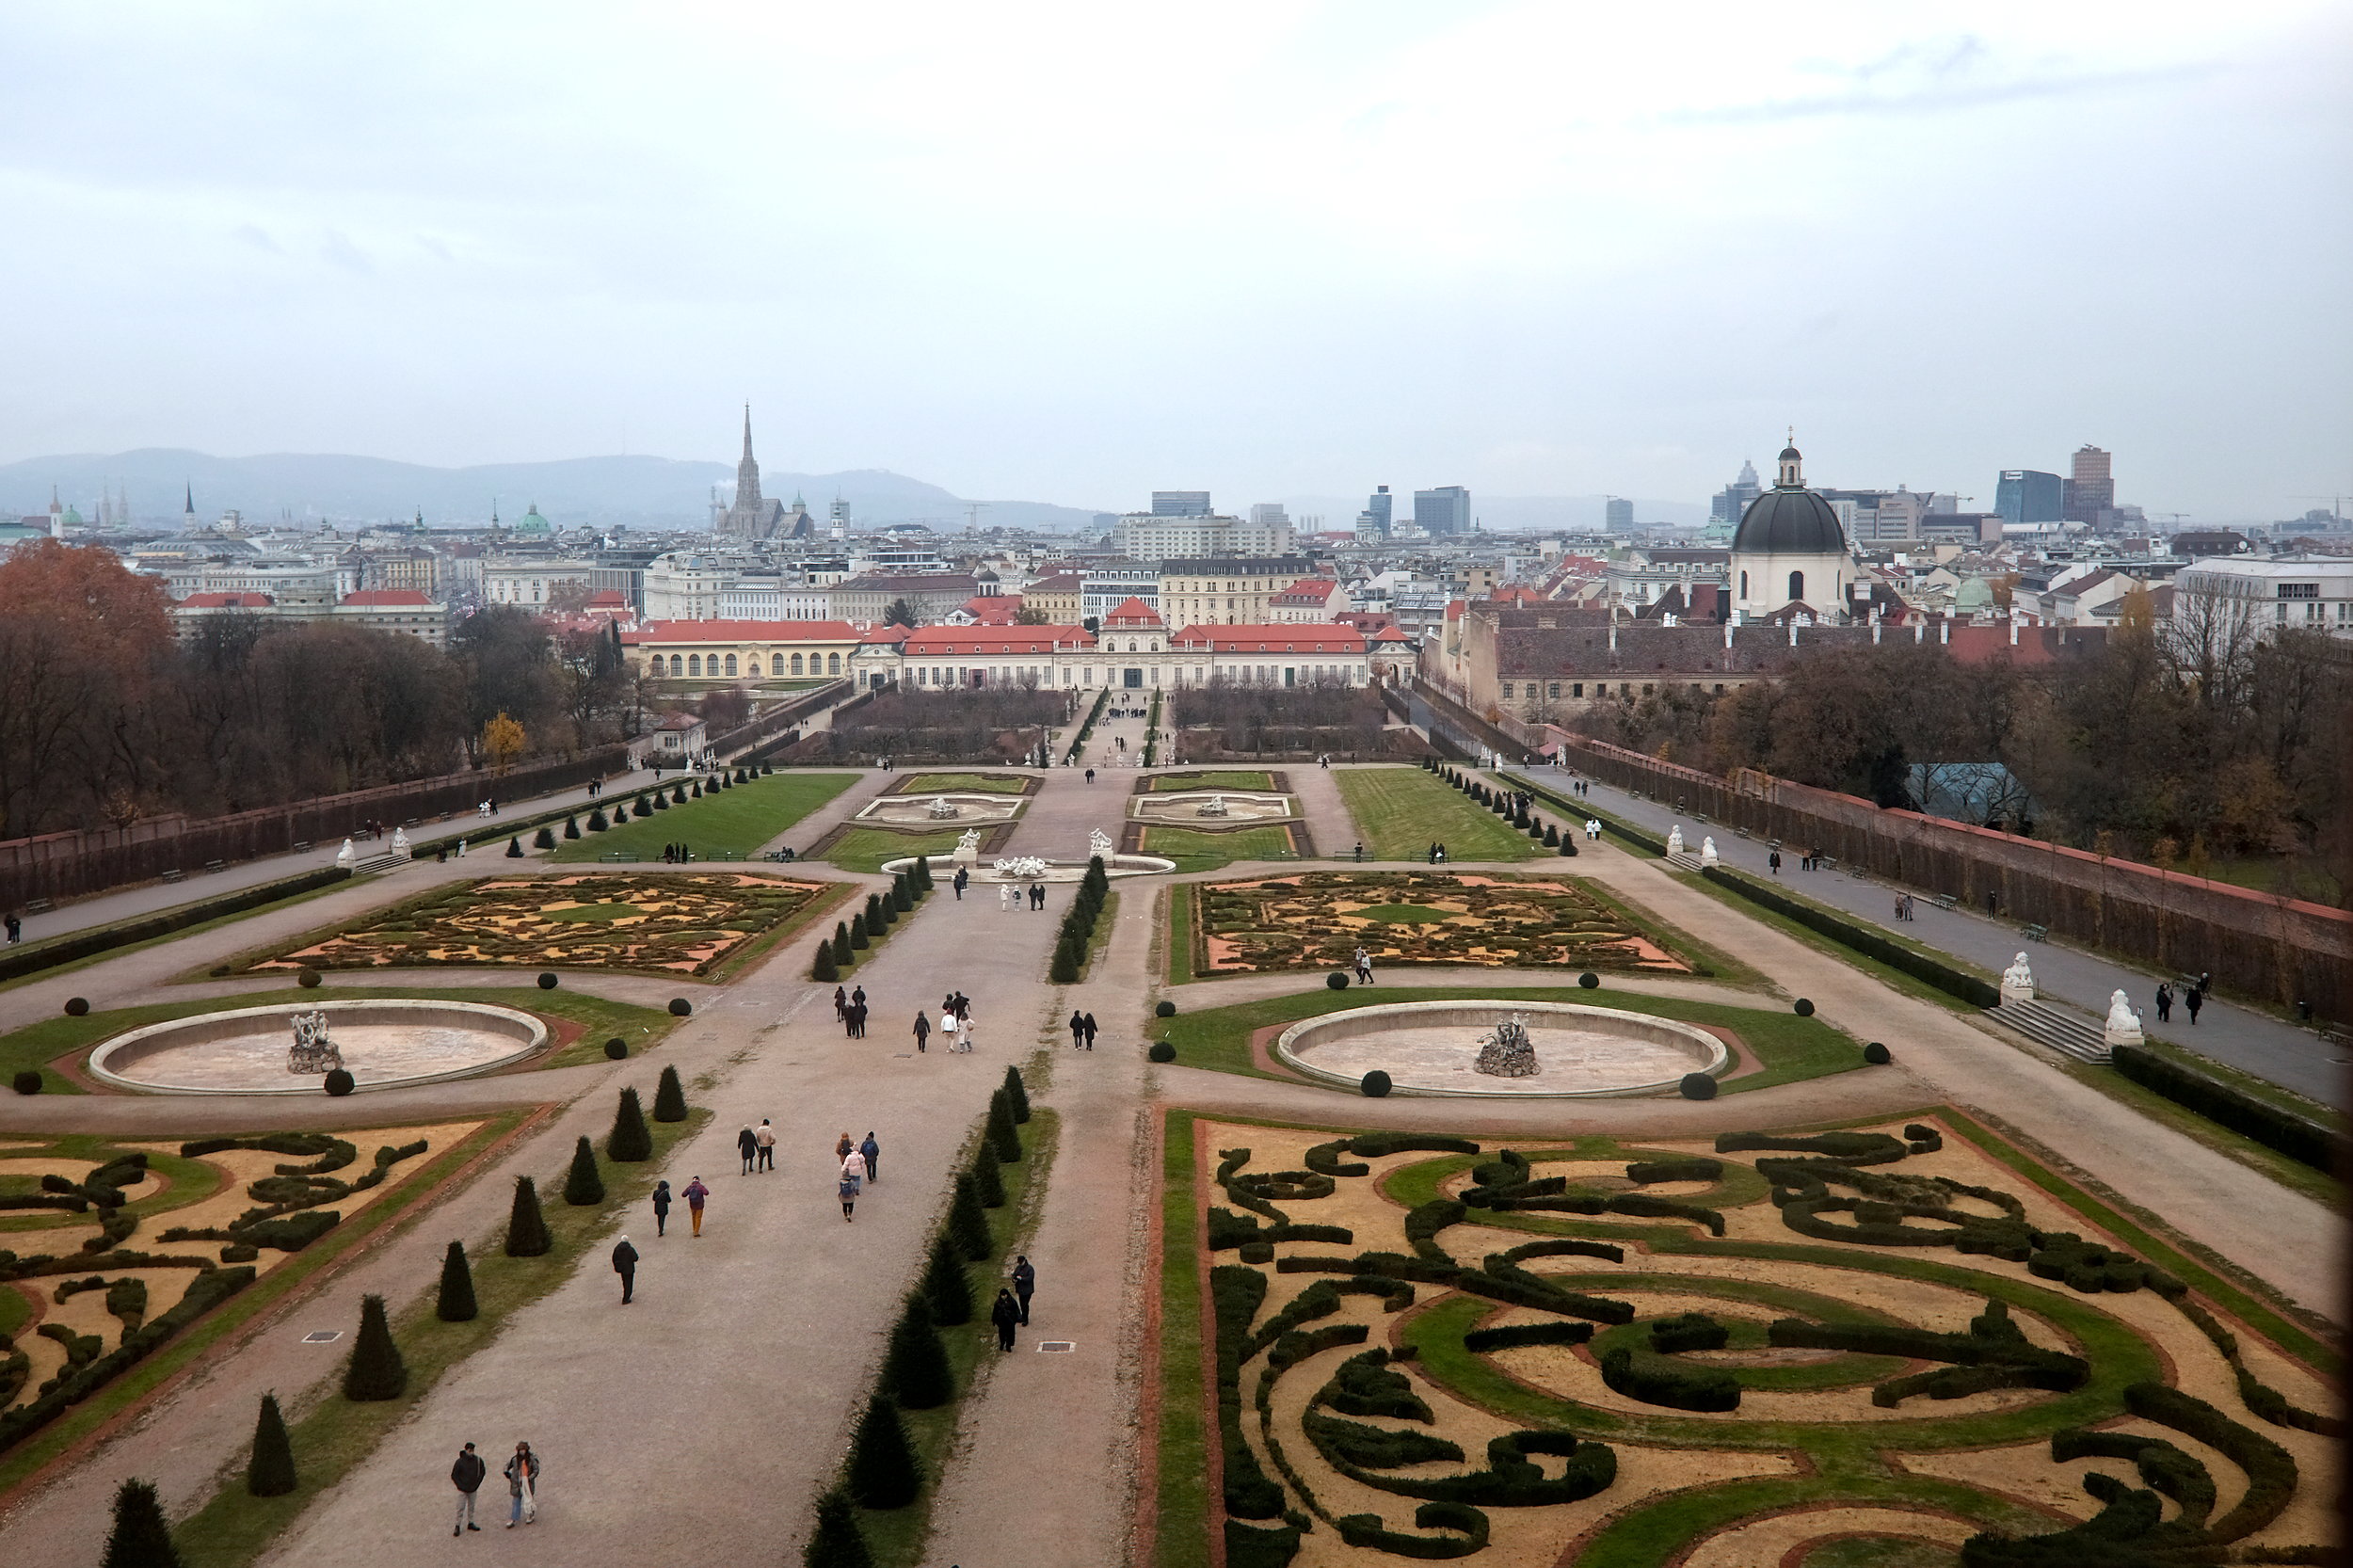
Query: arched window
[(833, 663), (776, 664), (1744, 584), (1797, 586), (796, 664), (730, 663), (694, 664)]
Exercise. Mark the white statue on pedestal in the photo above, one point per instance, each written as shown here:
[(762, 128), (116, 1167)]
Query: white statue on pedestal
[(2123, 1026), (1707, 851), (1023, 867), (969, 848), (1099, 842), (941, 806), (400, 840), (347, 854), (2018, 981), (1675, 839)]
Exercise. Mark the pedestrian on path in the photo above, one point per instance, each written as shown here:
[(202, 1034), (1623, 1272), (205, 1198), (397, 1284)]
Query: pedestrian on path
[(625, 1265), (841, 1004), (869, 1153), (847, 1191), (964, 880), (746, 1147), (1774, 862), (661, 1208), (1087, 1025), (857, 1020), (695, 1193), (922, 1031), (1005, 896), (949, 1026), (523, 1486), (2194, 1000), (1077, 1028), (1090, 775), (1006, 1314), (467, 1475), (857, 997), (16, 929), (843, 1148), (2165, 1003), (1363, 968), (966, 1033), (1024, 1283), (765, 1136)]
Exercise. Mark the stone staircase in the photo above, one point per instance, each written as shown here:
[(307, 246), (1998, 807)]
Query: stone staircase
[(385, 862), (2068, 1033), (1683, 860)]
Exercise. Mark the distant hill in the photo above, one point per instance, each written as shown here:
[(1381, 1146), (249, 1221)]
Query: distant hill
[(640, 492), (1510, 513)]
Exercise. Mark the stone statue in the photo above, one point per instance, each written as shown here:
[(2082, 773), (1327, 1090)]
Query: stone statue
[(1022, 868), (347, 854), (968, 852), (1707, 851), (1675, 839), (1214, 806), (2123, 1025), (400, 840), (2018, 981), (1099, 842), (941, 806), (1507, 1053), (313, 1053)]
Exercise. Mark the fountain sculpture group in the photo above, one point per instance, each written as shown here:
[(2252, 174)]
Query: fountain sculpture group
[(942, 806), (313, 1053), (1213, 806), (1507, 1053)]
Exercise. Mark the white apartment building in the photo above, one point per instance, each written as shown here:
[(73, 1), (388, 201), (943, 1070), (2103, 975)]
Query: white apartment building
[(685, 586), (2308, 593), (1148, 537), (532, 580)]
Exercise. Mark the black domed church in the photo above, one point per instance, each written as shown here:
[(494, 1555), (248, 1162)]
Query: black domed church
[(1790, 551)]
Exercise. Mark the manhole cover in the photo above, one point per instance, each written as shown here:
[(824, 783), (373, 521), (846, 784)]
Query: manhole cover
[(1062, 1347), (322, 1336)]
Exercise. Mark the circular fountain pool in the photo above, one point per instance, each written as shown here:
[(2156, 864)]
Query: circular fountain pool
[(384, 1044), (1431, 1048)]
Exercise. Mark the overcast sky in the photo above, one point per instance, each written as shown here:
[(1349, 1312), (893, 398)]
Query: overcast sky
[(1074, 253)]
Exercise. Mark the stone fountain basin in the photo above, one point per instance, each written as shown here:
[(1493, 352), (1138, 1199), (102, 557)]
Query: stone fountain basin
[(1183, 807), (1430, 1047), (384, 1043), (915, 810)]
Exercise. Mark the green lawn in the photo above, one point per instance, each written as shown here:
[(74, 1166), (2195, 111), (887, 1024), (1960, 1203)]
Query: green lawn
[(1401, 810), (37, 1043), (1214, 779), (1194, 850), (732, 822), (864, 849), (1788, 1048), (969, 783)]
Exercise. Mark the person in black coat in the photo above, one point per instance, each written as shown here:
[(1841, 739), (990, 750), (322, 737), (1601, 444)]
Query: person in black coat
[(1024, 1284), (1087, 1025), (625, 1265), (660, 1207), (1006, 1314), (467, 1475), (747, 1145)]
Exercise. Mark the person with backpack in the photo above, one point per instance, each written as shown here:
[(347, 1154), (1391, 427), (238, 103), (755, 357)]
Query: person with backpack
[(523, 1486), (853, 1177), (695, 1193), (869, 1153)]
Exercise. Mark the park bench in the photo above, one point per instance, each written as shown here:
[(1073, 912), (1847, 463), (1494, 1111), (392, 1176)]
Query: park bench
[(784, 854), (614, 857), (37, 907), (1944, 901), (215, 865), (2034, 932), (301, 845), (1741, 832), (175, 876)]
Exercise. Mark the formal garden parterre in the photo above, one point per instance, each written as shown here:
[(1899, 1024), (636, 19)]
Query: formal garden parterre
[(1616, 1353), (686, 923)]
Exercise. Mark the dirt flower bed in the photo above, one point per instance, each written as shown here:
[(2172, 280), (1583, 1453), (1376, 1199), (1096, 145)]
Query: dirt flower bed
[(1317, 919)]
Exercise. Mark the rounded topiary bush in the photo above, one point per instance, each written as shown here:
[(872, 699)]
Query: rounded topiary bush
[(309, 979), (1160, 1009), (617, 1048), (1802, 1008), (1161, 1051), (1258, 1252), (1877, 1055), (680, 1007), (1697, 1086), (76, 1007), (1589, 980), (546, 979), (339, 1082), (27, 1082), (1338, 981), (1376, 1084), (545, 839)]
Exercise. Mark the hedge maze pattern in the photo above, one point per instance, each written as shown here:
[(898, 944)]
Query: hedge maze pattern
[(1750, 1351), (680, 923), (1317, 919)]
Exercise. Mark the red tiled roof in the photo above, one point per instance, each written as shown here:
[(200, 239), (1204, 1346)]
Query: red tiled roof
[(1285, 638), (743, 631), (227, 602), (679, 721), (1133, 612), (941, 642), (605, 596), (888, 631), (993, 608), (1316, 590), (390, 599)]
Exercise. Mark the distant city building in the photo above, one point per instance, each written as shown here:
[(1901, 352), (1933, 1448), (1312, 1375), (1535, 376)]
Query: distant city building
[(2286, 593), (1731, 503), (1270, 513), (1790, 551), (1181, 503), (1103, 588), (532, 582), (2090, 493), (1157, 536), (1618, 515), (752, 516), (1443, 512), (1233, 591), (2028, 495), (1374, 523)]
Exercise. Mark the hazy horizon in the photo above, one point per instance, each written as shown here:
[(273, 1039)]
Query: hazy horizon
[(1072, 255)]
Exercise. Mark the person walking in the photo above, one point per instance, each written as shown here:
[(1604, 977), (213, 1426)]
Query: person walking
[(843, 1148), (625, 1265), (1773, 861), (966, 1033), (746, 1147), (2165, 1003), (1006, 1314), (964, 880), (1024, 1284), (1088, 1026), (16, 928), (857, 997), (695, 1193), (869, 1153), (765, 1136), (467, 1475), (1090, 775), (841, 1002), (523, 1486), (661, 1208), (857, 1020), (949, 1025), (2193, 999), (922, 1031), (847, 1191), (1005, 896), (1077, 1028), (1363, 968)]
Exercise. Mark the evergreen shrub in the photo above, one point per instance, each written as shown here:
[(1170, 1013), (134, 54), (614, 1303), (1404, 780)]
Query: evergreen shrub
[(680, 1007), (1000, 1134), (584, 1184), (546, 979), (947, 1290), (1164, 1009), (1376, 1084), (26, 1081), (670, 1098), (376, 1371), (139, 1538), (1161, 1050), (597, 822), (825, 969), (515, 847), (986, 1181), (630, 1139), (1877, 1055), (77, 1007), (309, 979), (544, 838), (858, 938), (337, 1082), (1588, 980), (883, 1471), (1697, 1086), (571, 825), (1336, 981), (456, 1302), (842, 945), (1017, 1095), (616, 1049), (526, 1227), (836, 1542), (916, 1373), (1802, 1008), (270, 1472), (967, 1223)]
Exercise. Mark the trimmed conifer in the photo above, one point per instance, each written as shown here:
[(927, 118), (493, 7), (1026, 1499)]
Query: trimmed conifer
[(916, 1373), (571, 825), (630, 1139), (860, 940), (515, 848), (376, 1371), (824, 968), (456, 1303), (986, 1181), (842, 945), (670, 1098), (678, 795), (141, 1538), (1065, 968), (1016, 1094), (883, 1471), (946, 1290), (902, 897), (836, 1542), (597, 822), (270, 1473), (584, 1184), (967, 1223), (1000, 1135), (526, 1227), (878, 918), (923, 873)]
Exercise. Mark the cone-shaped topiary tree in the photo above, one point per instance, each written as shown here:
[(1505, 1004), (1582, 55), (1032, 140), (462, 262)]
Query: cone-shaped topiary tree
[(902, 897), (825, 969), (376, 1371), (967, 1223), (883, 1471), (515, 848), (923, 873), (544, 838), (597, 822), (858, 938), (456, 1303), (661, 801), (630, 1139), (526, 1227), (139, 1539), (946, 1290), (584, 1184), (1016, 1094), (670, 1098), (1000, 1135), (985, 1180), (916, 1373), (877, 920), (270, 1473), (842, 945), (571, 825), (678, 795), (836, 1542), (1063, 970)]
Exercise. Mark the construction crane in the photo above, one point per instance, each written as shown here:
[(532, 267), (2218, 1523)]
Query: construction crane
[(972, 510)]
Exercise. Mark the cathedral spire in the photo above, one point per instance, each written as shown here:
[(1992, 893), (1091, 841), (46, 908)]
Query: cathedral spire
[(747, 432)]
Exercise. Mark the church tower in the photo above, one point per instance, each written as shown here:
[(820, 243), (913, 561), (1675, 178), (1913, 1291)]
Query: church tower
[(752, 516), (747, 471)]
